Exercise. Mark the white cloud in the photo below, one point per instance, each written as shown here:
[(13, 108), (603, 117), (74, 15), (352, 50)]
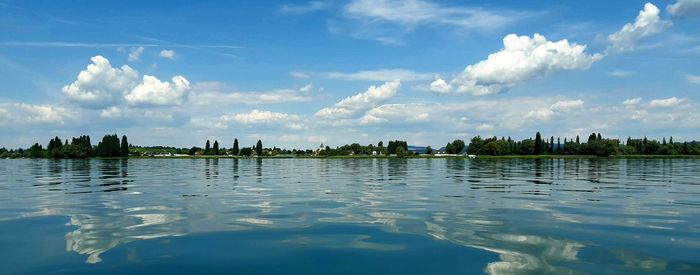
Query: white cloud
[(632, 101), (620, 73), (135, 53), (152, 91), (22, 113), (559, 107), (566, 105), (216, 94), (540, 114), (257, 116), (306, 89), (666, 102), (299, 74), (101, 85), (362, 101), (311, 6), (684, 8), (112, 112), (380, 75), (485, 127), (521, 59), (695, 79), (414, 12), (440, 86), (254, 117), (647, 23), (169, 54), (398, 113)]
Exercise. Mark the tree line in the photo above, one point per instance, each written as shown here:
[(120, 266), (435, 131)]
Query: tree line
[(80, 147), (595, 144), (394, 147)]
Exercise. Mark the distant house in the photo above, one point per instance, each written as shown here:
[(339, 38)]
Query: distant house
[(199, 153)]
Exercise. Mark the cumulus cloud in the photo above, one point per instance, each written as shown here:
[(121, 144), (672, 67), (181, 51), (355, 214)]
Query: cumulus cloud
[(522, 58), (112, 112), (362, 101), (135, 53), (100, 84), (684, 8), (540, 114), (647, 23), (254, 117), (561, 106), (565, 105), (22, 113), (152, 91), (380, 75), (398, 112), (169, 54), (666, 102), (440, 86), (632, 101)]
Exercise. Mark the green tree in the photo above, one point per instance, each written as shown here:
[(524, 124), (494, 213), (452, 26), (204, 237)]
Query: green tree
[(527, 147), (401, 152), (259, 148), (496, 147), (428, 150), (235, 150), (207, 148), (109, 147), (539, 148), (246, 151), (215, 150), (458, 146), (36, 151), (193, 150), (124, 147), (476, 146)]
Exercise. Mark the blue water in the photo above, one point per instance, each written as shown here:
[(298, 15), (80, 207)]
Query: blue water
[(350, 216)]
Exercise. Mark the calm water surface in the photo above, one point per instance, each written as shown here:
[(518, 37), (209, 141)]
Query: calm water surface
[(350, 216)]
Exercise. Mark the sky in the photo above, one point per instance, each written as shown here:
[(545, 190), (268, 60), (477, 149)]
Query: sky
[(300, 73)]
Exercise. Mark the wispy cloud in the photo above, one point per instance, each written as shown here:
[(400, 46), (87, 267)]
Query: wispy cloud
[(59, 44), (388, 21), (695, 79), (424, 12), (311, 6), (621, 73), (381, 75)]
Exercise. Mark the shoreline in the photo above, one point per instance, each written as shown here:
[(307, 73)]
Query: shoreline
[(408, 157)]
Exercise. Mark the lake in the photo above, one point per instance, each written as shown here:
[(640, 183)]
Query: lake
[(350, 216)]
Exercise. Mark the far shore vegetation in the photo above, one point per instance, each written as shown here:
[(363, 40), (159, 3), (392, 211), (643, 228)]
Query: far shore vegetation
[(111, 146)]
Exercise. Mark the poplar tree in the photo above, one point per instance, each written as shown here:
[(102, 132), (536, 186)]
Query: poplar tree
[(235, 149), (259, 148)]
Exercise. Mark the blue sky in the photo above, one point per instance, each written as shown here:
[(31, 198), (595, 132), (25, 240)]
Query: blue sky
[(297, 74)]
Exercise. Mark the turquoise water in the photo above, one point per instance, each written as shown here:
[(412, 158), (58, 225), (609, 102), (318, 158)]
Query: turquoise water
[(350, 216)]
